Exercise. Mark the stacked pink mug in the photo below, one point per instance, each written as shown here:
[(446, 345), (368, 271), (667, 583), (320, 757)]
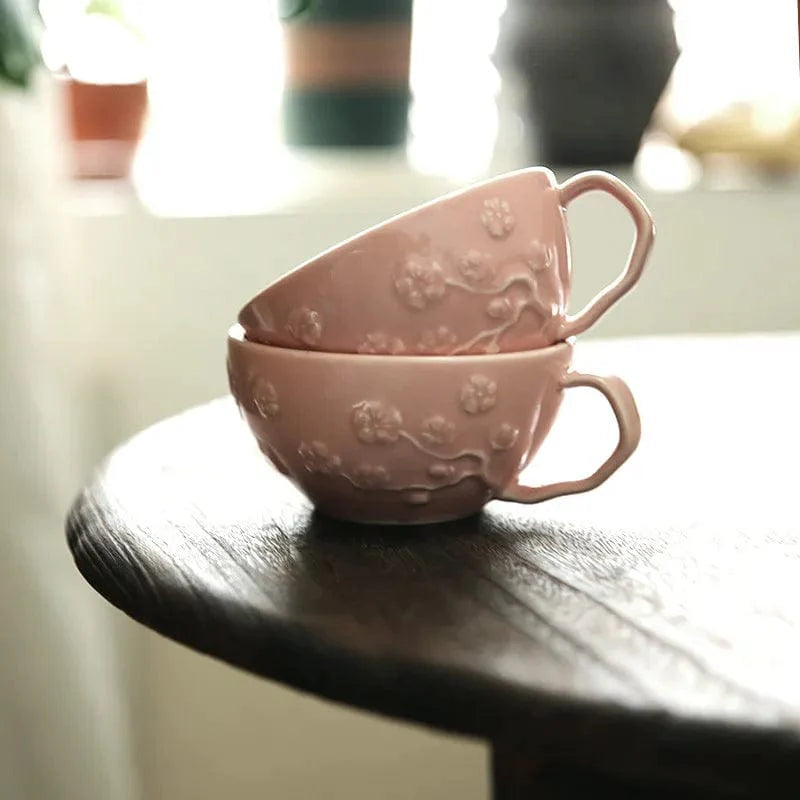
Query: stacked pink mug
[(410, 373)]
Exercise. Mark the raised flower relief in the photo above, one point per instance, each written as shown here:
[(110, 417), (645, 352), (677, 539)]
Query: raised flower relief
[(305, 325), (538, 257), (476, 268), (265, 398), (318, 459), (418, 497), (420, 282), (371, 476), (438, 430), (441, 472), (376, 423), (478, 394), (497, 217), (500, 308), (380, 343), (504, 437), (437, 341)]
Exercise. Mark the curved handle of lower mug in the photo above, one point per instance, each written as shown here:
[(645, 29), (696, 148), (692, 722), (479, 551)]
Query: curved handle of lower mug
[(621, 400), (597, 180)]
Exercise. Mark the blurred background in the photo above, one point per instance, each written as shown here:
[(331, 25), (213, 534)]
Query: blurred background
[(161, 162)]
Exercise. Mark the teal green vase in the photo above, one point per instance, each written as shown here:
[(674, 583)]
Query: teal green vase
[(347, 64)]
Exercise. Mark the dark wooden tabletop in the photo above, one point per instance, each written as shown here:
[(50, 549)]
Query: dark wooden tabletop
[(652, 625)]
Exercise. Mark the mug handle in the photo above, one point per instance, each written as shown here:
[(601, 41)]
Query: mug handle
[(621, 400), (597, 180)]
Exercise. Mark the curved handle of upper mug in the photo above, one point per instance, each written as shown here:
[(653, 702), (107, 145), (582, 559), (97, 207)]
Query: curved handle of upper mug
[(643, 241), (621, 400)]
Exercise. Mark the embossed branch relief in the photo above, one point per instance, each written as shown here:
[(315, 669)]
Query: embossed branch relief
[(424, 278), (381, 425), (421, 284), (511, 286)]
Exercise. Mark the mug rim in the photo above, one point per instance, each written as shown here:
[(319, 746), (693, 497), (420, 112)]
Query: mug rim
[(237, 337)]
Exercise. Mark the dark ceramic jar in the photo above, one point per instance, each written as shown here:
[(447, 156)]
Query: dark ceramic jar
[(592, 73)]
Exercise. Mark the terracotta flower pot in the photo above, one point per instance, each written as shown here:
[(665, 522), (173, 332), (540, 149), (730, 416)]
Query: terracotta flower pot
[(105, 123)]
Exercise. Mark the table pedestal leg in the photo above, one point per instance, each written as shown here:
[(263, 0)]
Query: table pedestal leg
[(515, 774), (518, 774)]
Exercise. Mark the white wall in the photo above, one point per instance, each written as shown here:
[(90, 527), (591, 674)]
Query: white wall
[(160, 293)]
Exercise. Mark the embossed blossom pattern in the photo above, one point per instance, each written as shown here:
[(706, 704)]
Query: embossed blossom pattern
[(376, 423), (265, 398), (305, 325), (438, 430), (504, 437), (379, 422), (380, 343), (497, 218), (418, 497), (476, 268), (478, 394), (437, 341), (371, 476), (420, 281), (441, 472), (500, 308), (317, 458), (538, 257)]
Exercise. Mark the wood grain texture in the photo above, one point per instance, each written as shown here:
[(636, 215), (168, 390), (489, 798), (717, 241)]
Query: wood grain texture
[(649, 628)]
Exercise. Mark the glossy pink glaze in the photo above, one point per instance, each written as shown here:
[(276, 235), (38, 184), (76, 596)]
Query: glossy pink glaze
[(483, 270), (412, 439)]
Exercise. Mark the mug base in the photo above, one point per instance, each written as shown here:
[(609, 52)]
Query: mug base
[(405, 507), (393, 523)]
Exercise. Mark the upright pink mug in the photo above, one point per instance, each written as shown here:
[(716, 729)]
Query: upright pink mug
[(410, 439), (483, 270)]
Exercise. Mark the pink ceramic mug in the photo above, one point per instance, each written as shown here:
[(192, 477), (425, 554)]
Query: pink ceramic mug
[(413, 439), (483, 270)]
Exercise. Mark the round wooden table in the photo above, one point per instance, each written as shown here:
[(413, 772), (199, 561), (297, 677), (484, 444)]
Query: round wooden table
[(644, 637)]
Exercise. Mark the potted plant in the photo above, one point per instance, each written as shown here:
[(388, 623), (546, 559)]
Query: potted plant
[(100, 55)]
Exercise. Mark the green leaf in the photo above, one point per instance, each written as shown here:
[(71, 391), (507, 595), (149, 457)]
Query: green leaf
[(108, 8), (114, 9), (292, 8), (19, 52)]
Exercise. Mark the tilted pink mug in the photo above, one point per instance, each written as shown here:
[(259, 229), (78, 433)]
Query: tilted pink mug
[(413, 439), (482, 270)]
